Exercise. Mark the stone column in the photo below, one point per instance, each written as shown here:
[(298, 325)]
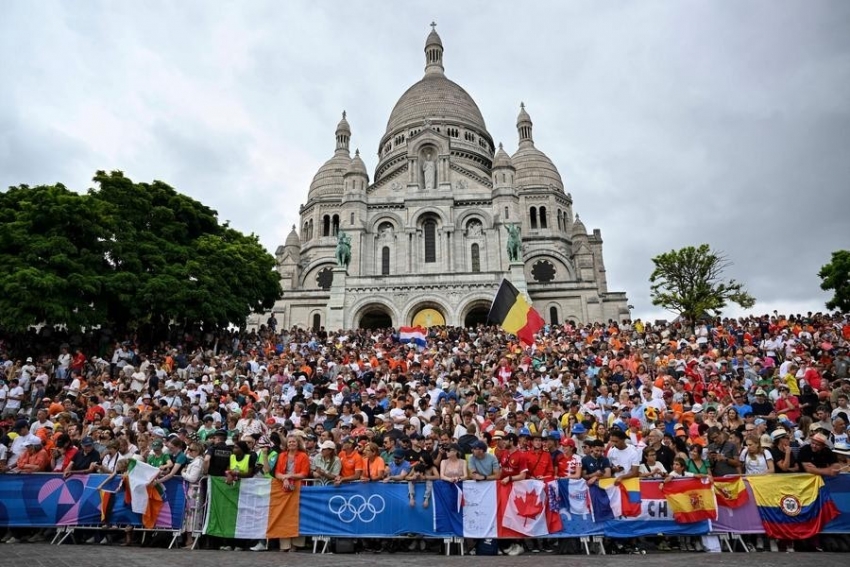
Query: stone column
[(335, 313), (516, 277)]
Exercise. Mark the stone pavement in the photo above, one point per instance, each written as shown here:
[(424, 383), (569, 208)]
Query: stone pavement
[(38, 555)]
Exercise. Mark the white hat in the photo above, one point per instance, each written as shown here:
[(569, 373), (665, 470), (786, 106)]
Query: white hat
[(328, 445), (696, 408), (29, 359)]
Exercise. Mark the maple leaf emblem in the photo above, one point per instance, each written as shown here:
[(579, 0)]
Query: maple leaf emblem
[(529, 506)]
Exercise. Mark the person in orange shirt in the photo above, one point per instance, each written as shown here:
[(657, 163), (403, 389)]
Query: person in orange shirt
[(35, 459), (292, 467), (352, 463)]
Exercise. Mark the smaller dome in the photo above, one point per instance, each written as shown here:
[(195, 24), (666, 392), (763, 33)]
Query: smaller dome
[(578, 228), (292, 239), (343, 127), (433, 37), (328, 180), (535, 169), (502, 159), (357, 167), (523, 116)]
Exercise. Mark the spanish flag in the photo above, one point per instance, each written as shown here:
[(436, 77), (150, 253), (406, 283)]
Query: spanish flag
[(690, 499), (731, 492), (792, 506), (512, 312)]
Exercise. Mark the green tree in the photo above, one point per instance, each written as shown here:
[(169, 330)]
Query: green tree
[(690, 282), (52, 257), (836, 277), (133, 256)]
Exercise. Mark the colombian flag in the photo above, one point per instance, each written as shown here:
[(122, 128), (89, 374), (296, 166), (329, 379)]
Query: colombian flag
[(792, 506), (512, 312), (690, 499), (731, 492)]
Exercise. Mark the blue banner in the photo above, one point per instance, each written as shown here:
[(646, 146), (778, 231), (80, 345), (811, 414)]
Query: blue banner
[(366, 510), (47, 500), (839, 489)]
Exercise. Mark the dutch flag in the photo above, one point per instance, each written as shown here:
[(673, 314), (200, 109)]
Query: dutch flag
[(415, 335)]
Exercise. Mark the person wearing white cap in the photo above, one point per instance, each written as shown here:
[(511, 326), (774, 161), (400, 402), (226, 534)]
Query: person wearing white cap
[(325, 465)]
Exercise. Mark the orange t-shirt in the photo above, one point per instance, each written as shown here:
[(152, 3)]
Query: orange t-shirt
[(351, 463)]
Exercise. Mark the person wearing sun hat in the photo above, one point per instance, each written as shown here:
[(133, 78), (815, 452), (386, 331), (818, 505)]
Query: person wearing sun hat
[(817, 457), (842, 453)]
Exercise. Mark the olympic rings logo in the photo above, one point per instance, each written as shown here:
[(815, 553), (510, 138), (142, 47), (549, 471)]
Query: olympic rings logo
[(356, 508)]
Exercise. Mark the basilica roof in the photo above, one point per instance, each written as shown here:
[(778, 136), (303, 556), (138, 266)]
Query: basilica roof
[(438, 98)]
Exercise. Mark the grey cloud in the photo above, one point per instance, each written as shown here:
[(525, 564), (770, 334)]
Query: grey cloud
[(672, 124)]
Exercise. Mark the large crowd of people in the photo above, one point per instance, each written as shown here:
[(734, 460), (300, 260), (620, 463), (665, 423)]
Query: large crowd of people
[(756, 395)]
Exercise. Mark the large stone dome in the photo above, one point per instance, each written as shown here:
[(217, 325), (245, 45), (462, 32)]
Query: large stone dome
[(437, 98)]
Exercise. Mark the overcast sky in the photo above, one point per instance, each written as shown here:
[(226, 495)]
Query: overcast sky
[(672, 123)]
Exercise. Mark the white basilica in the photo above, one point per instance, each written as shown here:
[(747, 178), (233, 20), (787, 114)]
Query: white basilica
[(428, 232)]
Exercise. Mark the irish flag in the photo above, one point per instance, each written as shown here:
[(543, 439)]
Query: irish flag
[(251, 508)]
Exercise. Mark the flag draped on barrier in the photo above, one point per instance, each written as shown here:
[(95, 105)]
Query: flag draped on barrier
[(528, 508), (610, 500), (252, 508), (792, 506), (784, 506), (691, 499), (731, 491)]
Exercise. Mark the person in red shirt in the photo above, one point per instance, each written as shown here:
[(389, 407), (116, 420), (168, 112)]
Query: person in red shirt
[(539, 461), (511, 461), (78, 362), (94, 413), (787, 405), (560, 463)]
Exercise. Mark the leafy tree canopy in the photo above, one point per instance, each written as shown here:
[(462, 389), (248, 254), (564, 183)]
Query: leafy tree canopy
[(128, 255), (836, 277), (690, 282)]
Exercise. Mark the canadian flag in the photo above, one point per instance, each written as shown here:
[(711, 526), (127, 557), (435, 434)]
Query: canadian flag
[(528, 508)]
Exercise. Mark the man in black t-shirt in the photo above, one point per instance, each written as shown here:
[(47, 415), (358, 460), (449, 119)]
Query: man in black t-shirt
[(86, 460), (217, 457), (817, 457), (416, 455)]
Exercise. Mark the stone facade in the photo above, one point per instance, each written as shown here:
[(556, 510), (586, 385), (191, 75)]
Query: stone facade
[(428, 234)]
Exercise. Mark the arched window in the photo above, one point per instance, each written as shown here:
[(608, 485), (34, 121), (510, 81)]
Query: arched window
[(507, 211), (476, 258), (310, 231), (335, 225), (385, 261), (559, 219), (553, 315), (430, 228), (351, 219), (532, 213), (305, 234), (326, 225), (543, 220), (317, 321)]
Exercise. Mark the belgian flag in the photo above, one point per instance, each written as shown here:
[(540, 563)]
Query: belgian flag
[(512, 312)]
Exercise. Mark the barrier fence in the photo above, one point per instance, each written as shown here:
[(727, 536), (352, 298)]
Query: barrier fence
[(262, 508)]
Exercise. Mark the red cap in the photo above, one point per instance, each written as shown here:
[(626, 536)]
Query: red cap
[(634, 422), (568, 442), (271, 421)]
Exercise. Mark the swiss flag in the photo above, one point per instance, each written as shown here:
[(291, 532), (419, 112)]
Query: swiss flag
[(528, 508)]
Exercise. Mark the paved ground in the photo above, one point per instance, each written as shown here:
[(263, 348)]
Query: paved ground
[(38, 555)]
